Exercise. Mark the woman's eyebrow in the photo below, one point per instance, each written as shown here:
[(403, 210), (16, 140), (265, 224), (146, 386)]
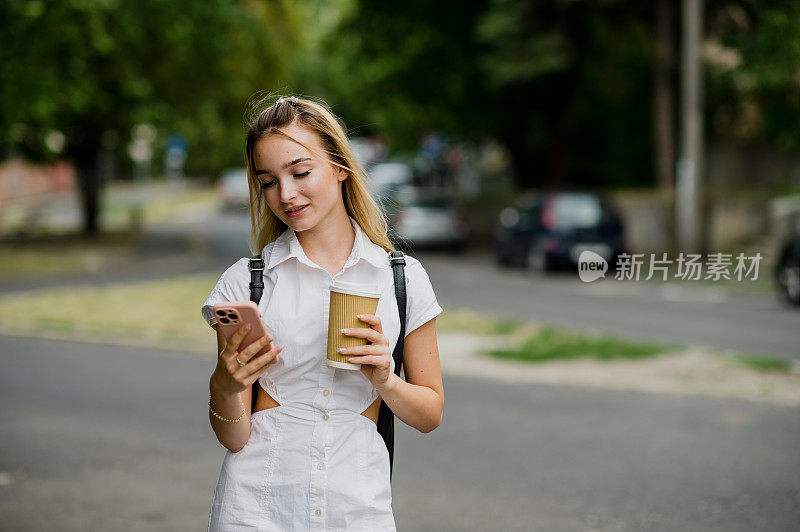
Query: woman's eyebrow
[(287, 165)]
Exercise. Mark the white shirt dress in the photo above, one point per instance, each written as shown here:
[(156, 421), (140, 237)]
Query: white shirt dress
[(314, 462)]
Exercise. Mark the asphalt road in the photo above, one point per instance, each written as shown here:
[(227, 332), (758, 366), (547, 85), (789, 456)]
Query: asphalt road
[(682, 313), (109, 438)]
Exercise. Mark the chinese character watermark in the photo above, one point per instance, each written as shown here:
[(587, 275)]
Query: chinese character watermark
[(688, 267)]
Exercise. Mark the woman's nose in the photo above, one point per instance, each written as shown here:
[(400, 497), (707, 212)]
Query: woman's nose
[(288, 192)]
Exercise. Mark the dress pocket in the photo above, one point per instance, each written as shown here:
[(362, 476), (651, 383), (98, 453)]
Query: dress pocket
[(373, 465), (223, 515), (250, 471), (382, 457)]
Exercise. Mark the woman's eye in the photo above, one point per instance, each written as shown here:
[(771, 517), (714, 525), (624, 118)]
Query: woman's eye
[(267, 185)]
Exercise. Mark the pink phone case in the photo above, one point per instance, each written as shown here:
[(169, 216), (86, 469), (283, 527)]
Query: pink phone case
[(232, 315)]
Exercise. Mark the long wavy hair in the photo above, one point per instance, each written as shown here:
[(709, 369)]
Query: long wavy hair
[(317, 117)]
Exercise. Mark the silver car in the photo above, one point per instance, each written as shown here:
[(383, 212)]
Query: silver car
[(424, 217), (233, 190)]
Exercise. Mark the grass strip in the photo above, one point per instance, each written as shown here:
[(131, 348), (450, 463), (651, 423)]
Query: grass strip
[(765, 363), (163, 312), (550, 343), (29, 257)]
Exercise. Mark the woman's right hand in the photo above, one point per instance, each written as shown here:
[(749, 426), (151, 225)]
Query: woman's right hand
[(231, 378)]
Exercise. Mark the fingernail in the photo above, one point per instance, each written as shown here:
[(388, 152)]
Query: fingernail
[(247, 327), (341, 349), (360, 316), (345, 331)]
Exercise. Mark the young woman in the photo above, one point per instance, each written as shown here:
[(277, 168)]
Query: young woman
[(309, 456)]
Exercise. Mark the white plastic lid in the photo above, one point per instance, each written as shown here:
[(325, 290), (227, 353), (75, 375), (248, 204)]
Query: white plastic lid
[(356, 289)]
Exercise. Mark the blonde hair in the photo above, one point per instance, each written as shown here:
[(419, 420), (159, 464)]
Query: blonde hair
[(317, 117)]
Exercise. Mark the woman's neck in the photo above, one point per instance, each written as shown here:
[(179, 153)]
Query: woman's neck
[(330, 242)]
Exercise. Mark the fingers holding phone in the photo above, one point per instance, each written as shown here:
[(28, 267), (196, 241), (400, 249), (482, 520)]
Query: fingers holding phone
[(263, 351), (238, 370), (254, 366), (249, 348)]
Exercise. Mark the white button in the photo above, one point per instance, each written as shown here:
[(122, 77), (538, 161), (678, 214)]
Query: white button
[(326, 393), (317, 512), (325, 416), (321, 465)]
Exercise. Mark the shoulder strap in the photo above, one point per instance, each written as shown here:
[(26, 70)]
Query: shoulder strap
[(385, 414), (256, 266)]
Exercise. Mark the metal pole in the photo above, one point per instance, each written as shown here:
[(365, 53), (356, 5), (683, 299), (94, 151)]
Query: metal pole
[(689, 180)]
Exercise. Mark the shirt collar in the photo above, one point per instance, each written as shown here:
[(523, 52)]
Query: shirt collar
[(287, 246)]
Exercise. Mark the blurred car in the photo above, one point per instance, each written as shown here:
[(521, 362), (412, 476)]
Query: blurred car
[(549, 229), (386, 178), (233, 190), (787, 271), (424, 217)]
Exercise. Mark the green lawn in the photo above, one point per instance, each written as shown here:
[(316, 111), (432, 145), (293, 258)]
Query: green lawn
[(764, 362), (164, 313), (55, 254), (550, 344)]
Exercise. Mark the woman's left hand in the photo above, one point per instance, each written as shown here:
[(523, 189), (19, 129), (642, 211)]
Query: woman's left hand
[(375, 358)]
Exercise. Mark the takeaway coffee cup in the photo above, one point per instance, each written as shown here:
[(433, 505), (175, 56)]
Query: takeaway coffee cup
[(347, 301)]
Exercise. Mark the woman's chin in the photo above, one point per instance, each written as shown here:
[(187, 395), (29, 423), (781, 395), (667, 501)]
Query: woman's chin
[(299, 223)]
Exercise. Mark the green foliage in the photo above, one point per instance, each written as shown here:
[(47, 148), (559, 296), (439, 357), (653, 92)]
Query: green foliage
[(405, 68), (754, 94), (564, 84), (86, 67)]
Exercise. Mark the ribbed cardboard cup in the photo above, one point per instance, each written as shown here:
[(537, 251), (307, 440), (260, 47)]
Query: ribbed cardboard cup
[(347, 301)]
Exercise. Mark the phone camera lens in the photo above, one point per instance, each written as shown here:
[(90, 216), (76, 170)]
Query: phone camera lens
[(220, 313), (224, 320), (233, 316)]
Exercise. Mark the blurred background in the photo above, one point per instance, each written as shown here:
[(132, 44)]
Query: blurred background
[(502, 138)]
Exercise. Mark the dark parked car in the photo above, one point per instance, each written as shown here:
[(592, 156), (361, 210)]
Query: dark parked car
[(549, 229), (787, 271)]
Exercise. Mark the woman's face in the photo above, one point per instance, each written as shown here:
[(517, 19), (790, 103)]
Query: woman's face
[(292, 176)]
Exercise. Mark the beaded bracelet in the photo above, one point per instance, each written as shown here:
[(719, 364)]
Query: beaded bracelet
[(222, 418)]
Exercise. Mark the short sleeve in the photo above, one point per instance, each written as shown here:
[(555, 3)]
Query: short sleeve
[(233, 285), (421, 304)]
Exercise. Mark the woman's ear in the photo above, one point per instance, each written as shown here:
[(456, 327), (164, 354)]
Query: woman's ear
[(343, 174)]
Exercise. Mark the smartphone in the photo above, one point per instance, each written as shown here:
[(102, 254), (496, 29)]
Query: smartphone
[(234, 314)]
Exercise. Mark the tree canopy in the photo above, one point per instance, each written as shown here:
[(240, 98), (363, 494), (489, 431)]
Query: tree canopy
[(566, 85)]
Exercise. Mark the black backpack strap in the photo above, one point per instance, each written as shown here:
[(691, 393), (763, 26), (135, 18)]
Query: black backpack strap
[(385, 414), (256, 266)]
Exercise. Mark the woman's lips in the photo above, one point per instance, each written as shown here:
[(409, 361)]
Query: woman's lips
[(297, 212)]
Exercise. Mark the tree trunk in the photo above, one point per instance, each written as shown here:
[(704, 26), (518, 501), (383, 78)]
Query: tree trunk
[(84, 153), (558, 96), (90, 200), (514, 138), (663, 128)]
